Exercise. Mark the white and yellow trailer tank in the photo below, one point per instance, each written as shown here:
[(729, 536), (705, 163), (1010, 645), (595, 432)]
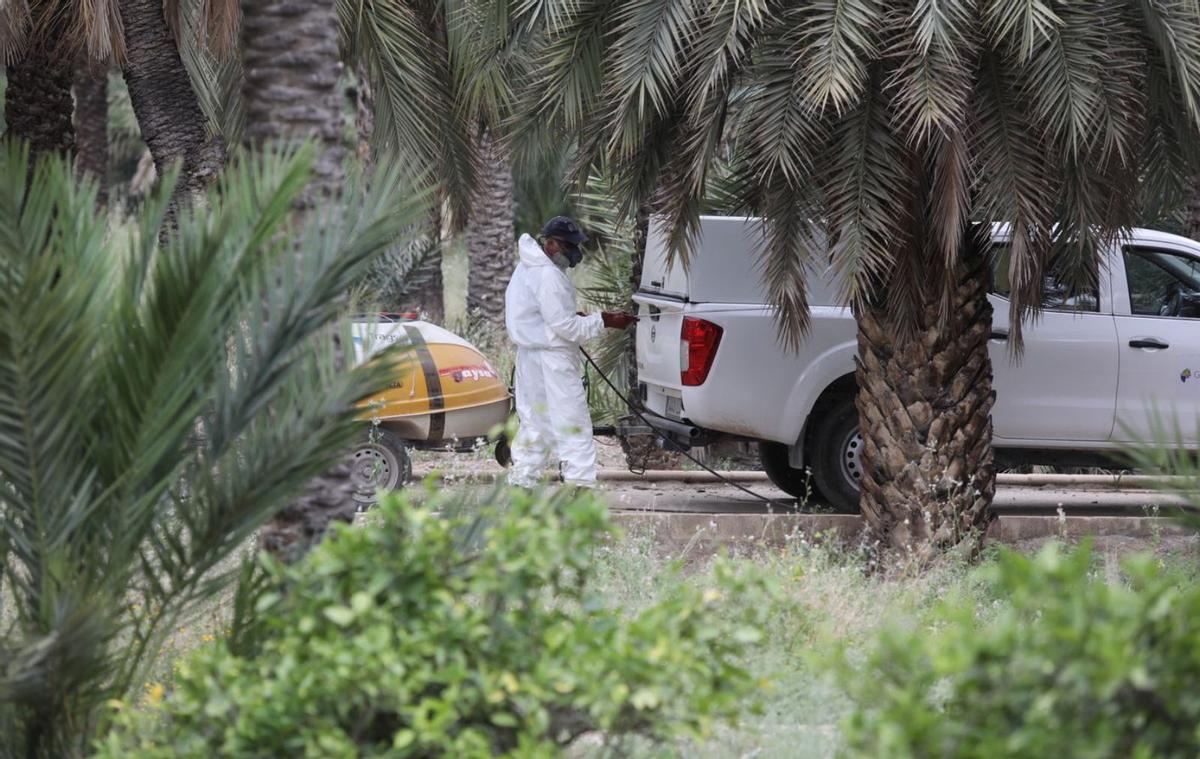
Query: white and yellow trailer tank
[(446, 395)]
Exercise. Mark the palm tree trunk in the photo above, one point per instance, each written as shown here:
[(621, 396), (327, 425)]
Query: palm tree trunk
[(364, 117), (427, 294), (924, 404), (168, 113), (490, 233), (292, 66), (641, 229), (37, 103), (91, 126)]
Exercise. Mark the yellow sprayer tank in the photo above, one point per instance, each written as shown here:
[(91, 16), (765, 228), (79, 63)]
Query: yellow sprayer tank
[(445, 393)]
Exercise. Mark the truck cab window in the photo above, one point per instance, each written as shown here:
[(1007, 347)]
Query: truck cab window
[(1058, 293), (1162, 283)]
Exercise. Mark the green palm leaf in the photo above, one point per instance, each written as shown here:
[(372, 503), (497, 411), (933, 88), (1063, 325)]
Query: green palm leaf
[(158, 403)]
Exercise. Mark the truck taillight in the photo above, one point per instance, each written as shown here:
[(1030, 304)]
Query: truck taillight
[(700, 340)]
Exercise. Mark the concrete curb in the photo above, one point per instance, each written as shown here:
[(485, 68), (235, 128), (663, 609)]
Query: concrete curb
[(1118, 482), (705, 533)]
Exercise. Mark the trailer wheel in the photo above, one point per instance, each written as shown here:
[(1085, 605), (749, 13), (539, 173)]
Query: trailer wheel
[(503, 452), (380, 461)]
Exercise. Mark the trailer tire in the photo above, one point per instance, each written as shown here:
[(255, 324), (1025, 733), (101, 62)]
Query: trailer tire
[(379, 461), (503, 452), (835, 450)]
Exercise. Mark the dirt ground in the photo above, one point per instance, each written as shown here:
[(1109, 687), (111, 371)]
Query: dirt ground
[(1058, 504)]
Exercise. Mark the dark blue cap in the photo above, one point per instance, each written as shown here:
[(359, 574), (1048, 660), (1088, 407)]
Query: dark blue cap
[(564, 228)]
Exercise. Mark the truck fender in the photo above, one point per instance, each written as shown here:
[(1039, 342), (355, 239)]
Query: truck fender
[(830, 367)]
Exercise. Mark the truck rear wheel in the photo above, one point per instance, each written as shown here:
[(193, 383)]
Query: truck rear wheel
[(774, 459), (835, 449)]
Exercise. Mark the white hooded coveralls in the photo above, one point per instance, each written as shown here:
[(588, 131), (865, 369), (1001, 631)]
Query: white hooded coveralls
[(539, 312)]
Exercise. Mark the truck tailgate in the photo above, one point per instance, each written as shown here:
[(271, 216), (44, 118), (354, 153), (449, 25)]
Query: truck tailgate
[(658, 339)]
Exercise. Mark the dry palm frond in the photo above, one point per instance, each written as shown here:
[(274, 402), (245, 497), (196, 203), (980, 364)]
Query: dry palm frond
[(14, 26), (211, 25), (873, 135), (96, 26)]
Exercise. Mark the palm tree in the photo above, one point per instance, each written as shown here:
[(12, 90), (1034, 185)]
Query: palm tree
[(490, 233), (37, 102), (420, 116), (291, 93), (486, 56), (133, 34), (159, 405), (881, 138), (168, 110), (91, 126)]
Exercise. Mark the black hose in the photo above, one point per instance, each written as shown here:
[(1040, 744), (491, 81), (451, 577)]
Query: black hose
[(769, 501)]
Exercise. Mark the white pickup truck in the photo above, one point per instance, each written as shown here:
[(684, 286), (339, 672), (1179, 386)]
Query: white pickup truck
[(1094, 367)]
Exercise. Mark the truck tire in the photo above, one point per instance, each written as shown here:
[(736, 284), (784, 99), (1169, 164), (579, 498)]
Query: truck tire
[(774, 459), (835, 450)]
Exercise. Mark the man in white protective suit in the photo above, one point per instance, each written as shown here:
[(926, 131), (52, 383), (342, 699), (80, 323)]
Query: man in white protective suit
[(539, 312)]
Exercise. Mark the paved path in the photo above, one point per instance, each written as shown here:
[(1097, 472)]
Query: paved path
[(724, 499)]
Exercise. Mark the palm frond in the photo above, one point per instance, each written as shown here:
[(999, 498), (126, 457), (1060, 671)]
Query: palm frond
[(96, 26), (403, 48), (207, 35), (779, 133), (838, 38), (486, 57), (210, 25), (794, 248), (14, 26), (399, 273), (1172, 30), (723, 47), (1014, 183), (645, 68), (125, 145), (1170, 152), (867, 197), (1019, 25), (894, 128), (1063, 77), (213, 392), (932, 83), (565, 74)]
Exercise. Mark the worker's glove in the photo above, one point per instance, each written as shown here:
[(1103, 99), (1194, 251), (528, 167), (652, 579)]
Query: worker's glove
[(617, 319)]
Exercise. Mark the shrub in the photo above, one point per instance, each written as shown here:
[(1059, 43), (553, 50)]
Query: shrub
[(459, 636), (1068, 666)]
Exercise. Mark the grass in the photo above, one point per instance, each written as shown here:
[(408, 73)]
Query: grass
[(828, 605), (829, 609)]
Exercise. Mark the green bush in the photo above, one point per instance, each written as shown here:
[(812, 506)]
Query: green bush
[(459, 636), (1068, 665)]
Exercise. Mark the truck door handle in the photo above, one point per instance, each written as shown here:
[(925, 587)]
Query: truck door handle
[(1148, 342), (999, 334)]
